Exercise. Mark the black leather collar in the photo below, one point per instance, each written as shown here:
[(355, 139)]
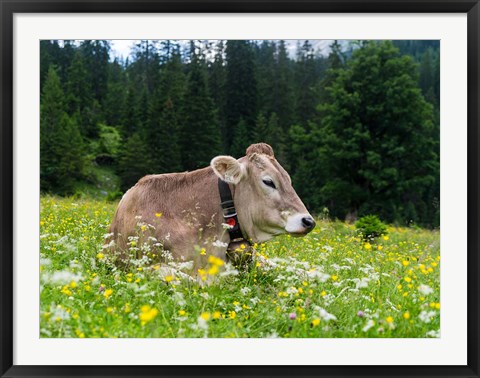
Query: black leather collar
[(229, 211)]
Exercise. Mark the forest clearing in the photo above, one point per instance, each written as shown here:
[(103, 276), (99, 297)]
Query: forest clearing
[(329, 284)]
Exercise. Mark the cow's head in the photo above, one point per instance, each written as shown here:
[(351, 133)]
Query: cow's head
[(266, 203)]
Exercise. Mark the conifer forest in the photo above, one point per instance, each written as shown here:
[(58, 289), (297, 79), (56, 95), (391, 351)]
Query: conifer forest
[(357, 125)]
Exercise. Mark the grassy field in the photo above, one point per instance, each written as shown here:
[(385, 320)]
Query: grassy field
[(328, 284)]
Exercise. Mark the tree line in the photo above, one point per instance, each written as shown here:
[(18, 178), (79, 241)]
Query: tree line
[(357, 128)]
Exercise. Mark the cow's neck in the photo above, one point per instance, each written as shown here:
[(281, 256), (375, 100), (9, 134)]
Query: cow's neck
[(230, 212)]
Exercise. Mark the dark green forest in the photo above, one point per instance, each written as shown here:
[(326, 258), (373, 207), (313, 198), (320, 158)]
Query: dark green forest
[(357, 128)]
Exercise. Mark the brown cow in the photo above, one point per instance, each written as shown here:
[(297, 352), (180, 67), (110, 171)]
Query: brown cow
[(182, 211)]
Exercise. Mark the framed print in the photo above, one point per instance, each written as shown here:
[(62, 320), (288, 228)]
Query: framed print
[(235, 188)]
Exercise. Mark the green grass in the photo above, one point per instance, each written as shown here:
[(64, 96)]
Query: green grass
[(328, 284)]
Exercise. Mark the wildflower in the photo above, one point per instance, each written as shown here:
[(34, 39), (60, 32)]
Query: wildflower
[(389, 319), (323, 293), (108, 293), (369, 325), (217, 315), (292, 316), (334, 278), (181, 312), (425, 289), (386, 237), (367, 246), (360, 314), (315, 322), (433, 333), (426, 317), (100, 256), (158, 215), (147, 314), (325, 315), (232, 314), (437, 306), (203, 251), (213, 270), (205, 316), (408, 279), (127, 308), (405, 263), (219, 244), (66, 291), (380, 247), (406, 315), (168, 279), (73, 284), (215, 260), (203, 274)]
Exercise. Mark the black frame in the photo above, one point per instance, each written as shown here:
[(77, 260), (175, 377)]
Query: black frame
[(7, 10)]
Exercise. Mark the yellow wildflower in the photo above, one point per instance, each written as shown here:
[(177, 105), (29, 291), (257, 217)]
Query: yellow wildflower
[(367, 246), (100, 256), (108, 293), (213, 270), (406, 315), (168, 279), (217, 315), (147, 314), (66, 291), (389, 319), (205, 315), (215, 260), (158, 215), (181, 312), (315, 322)]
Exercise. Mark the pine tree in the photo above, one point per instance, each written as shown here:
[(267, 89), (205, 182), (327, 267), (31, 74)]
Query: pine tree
[(61, 146), (284, 105), (375, 110), (306, 84), (163, 133), (200, 133), (241, 87), (241, 140), (133, 161), (217, 80), (115, 98), (80, 100)]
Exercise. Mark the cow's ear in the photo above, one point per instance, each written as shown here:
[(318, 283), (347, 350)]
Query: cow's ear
[(228, 169)]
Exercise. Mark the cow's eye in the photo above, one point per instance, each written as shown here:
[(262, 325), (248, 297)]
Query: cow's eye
[(269, 183)]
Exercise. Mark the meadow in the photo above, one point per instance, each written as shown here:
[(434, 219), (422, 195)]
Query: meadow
[(331, 283)]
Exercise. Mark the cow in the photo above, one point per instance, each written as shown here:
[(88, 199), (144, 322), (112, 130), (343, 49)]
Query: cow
[(182, 211)]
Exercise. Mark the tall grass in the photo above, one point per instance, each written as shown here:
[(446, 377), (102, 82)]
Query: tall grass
[(328, 284)]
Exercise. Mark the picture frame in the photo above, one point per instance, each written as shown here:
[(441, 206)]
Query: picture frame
[(7, 194)]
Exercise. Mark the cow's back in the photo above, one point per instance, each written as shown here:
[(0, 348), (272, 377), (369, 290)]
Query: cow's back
[(170, 207)]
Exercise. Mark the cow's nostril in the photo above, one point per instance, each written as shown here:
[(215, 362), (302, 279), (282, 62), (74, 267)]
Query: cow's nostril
[(308, 222)]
